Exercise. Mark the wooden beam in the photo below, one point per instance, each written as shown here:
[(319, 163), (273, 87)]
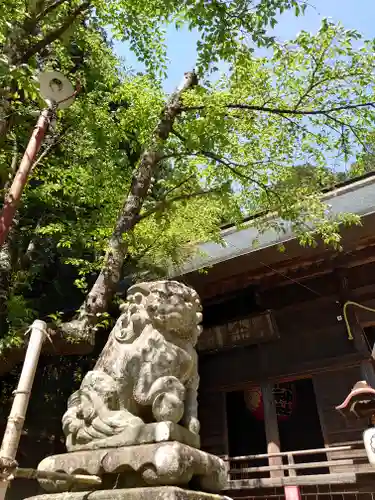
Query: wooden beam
[(293, 467), (319, 400), (225, 422), (295, 268), (312, 479), (351, 445), (321, 266), (303, 370), (292, 492), (272, 429)]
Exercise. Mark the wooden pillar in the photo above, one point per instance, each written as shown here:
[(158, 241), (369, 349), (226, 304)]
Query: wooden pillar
[(273, 441), (271, 427), (225, 423), (368, 372)]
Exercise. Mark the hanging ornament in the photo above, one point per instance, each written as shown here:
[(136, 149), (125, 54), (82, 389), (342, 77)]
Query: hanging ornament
[(285, 401)]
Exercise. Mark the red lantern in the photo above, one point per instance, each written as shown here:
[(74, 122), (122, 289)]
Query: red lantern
[(285, 401)]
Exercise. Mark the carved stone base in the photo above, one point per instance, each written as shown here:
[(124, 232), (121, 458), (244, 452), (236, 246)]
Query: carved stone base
[(146, 433), (157, 493), (158, 464)]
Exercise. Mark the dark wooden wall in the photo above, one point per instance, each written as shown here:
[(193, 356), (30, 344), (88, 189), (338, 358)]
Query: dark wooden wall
[(330, 390), (313, 342), (212, 416), (311, 338)]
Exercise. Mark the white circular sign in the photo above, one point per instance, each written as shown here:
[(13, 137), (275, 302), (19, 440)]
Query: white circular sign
[(55, 87)]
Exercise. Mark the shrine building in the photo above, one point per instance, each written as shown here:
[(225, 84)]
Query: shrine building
[(280, 351)]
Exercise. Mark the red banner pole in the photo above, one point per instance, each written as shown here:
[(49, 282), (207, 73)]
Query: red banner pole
[(14, 194), (292, 493)]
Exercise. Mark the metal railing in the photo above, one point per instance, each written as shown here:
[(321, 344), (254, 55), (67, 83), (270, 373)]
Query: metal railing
[(334, 464)]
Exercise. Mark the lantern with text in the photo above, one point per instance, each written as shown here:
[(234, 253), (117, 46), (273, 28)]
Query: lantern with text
[(285, 401)]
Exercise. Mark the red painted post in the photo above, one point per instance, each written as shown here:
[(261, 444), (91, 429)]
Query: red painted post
[(14, 194), (292, 493)]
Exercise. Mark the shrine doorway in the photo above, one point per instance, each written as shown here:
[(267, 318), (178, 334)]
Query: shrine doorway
[(297, 421), (302, 430), (246, 433)]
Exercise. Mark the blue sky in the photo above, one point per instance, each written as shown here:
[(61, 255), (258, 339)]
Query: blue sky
[(359, 14)]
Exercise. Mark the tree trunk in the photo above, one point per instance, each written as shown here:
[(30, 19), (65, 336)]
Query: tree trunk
[(101, 293), (5, 116), (5, 276)]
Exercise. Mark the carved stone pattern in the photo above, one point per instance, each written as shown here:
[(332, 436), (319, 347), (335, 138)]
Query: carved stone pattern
[(161, 464)]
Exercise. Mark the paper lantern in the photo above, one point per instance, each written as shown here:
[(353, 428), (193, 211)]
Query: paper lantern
[(285, 401)]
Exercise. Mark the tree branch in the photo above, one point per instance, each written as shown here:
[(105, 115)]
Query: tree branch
[(285, 111), (13, 165), (312, 82), (301, 127), (160, 206), (231, 165), (77, 336), (344, 125), (50, 8), (5, 277), (55, 141), (54, 34), (184, 181)]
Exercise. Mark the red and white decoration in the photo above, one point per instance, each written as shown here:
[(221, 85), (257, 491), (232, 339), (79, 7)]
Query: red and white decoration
[(285, 401)]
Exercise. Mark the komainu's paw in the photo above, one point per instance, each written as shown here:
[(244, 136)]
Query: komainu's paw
[(193, 425), (167, 407)]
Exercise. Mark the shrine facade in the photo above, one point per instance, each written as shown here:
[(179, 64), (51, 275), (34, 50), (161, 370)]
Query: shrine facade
[(279, 351)]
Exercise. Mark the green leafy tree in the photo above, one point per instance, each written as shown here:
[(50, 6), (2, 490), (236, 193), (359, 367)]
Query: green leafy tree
[(133, 180), (299, 108), (365, 162), (33, 33), (68, 35), (77, 187)]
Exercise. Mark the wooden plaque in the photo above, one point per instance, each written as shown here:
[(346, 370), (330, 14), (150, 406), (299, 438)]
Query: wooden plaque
[(248, 331)]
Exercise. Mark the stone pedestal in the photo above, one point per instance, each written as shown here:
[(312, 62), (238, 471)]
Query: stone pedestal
[(155, 464), (156, 493), (158, 471)]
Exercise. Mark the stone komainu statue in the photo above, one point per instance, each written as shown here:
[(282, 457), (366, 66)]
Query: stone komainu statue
[(147, 372)]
